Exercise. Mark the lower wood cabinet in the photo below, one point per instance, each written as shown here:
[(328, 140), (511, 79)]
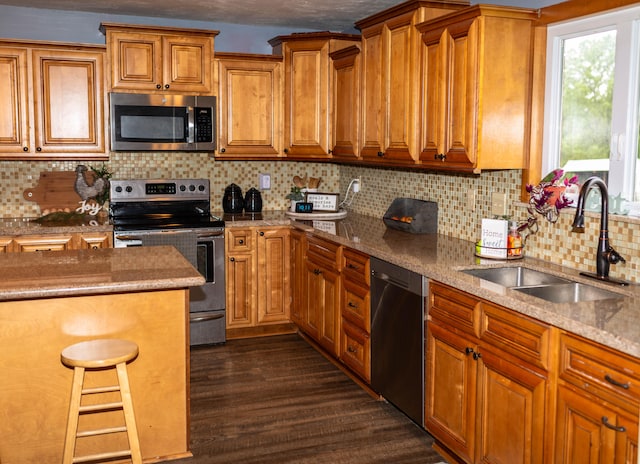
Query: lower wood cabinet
[(257, 276), (598, 404), (486, 392), (55, 242)]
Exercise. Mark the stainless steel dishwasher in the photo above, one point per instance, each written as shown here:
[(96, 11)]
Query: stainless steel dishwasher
[(398, 337)]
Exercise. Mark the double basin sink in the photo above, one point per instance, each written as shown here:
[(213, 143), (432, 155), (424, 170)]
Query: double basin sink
[(542, 285)]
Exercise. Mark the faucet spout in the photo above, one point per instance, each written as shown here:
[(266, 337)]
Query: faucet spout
[(605, 254)]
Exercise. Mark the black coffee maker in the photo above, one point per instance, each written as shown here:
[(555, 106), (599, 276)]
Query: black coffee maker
[(232, 201), (253, 201)]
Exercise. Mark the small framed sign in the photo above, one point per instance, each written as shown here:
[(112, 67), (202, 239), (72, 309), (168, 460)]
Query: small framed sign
[(323, 201)]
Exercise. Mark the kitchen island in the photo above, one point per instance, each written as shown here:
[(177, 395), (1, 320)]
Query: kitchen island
[(49, 300)]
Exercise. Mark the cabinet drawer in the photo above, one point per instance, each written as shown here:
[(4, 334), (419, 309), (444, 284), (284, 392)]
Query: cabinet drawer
[(355, 266), (44, 243), (515, 333), (355, 305), (608, 373), (324, 252), (355, 350), (239, 240), (453, 307)]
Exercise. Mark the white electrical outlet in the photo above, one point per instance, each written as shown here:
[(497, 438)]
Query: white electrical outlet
[(471, 199), (499, 204), (264, 181), (357, 185)]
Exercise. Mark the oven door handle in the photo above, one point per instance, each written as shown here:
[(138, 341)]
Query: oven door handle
[(210, 317), (128, 238), (211, 234)]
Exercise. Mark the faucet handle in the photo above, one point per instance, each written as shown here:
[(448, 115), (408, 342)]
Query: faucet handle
[(614, 257)]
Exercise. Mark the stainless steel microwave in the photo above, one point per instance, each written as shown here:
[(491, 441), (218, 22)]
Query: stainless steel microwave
[(146, 122)]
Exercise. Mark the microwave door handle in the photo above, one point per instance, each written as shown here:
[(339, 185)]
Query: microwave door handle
[(191, 122)]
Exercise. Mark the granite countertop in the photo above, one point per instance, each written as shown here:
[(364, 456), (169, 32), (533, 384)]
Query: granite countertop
[(25, 226), (441, 258), (46, 274)]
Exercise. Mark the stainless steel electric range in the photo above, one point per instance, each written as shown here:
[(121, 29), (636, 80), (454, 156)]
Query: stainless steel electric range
[(176, 212)]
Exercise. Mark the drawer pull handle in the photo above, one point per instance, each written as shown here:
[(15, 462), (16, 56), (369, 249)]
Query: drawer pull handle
[(351, 305), (351, 349), (612, 381), (468, 350), (352, 266), (606, 423), (317, 271)]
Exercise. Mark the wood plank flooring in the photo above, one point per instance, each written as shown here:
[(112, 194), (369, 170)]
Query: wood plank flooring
[(277, 400)]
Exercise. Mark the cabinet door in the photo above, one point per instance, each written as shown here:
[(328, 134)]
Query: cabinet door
[(249, 102), (69, 101), (330, 322), (450, 397), (511, 396), (373, 116), (346, 103), (94, 241), (298, 277), (589, 432), (355, 350), (313, 300), (241, 290), (306, 121), (273, 250), (6, 244), (136, 62), (14, 101), (187, 63), (43, 243)]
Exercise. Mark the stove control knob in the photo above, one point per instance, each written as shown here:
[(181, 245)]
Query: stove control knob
[(118, 189), (182, 188), (201, 187), (192, 188), (129, 189)]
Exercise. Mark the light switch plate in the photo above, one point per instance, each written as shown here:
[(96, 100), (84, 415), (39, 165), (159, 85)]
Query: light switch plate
[(499, 204), (471, 199)]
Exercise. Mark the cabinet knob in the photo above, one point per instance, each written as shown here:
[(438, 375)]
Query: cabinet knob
[(261, 234), (351, 305), (232, 259), (468, 350), (222, 150), (39, 149), (25, 148), (158, 86), (286, 150), (351, 349), (380, 154), (241, 242), (440, 156), (166, 86), (317, 271)]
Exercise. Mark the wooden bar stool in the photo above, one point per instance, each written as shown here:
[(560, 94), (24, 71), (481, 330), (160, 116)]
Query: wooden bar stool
[(100, 354)]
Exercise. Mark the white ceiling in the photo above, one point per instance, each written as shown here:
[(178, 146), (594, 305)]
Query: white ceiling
[(333, 15)]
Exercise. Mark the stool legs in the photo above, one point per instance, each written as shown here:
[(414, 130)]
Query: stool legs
[(75, 409)]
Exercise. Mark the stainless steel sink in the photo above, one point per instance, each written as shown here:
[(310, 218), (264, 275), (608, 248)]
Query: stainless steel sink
[(542, 285), (515, 276), (573, 292)]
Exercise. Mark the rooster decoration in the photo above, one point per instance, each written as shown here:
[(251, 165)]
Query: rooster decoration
[(86, 191)]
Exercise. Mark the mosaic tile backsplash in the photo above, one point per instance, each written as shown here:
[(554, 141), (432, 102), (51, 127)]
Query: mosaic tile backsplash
[(380, 186)]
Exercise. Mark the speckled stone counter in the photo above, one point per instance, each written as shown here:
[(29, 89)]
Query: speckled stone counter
[(24, 226), (615, 324), (82, 272)]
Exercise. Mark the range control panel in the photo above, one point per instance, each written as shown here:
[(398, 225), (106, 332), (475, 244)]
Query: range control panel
[(154, 189)]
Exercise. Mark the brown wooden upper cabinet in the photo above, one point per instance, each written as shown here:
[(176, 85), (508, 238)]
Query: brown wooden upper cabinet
[(345, 122), (307, 90), (249, 106), (391, 48), (477, 77), (153, 59), (52, 101)]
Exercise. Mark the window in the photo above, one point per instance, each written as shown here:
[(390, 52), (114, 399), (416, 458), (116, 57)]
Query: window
[(592, 101)]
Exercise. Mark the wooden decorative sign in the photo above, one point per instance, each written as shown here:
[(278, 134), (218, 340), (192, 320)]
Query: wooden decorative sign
[(323, 201)]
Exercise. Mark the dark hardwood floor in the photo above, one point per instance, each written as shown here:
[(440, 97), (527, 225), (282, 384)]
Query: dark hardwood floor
[(277, 400)]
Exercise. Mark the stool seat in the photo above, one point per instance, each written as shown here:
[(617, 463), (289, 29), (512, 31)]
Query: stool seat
[(95, 354)]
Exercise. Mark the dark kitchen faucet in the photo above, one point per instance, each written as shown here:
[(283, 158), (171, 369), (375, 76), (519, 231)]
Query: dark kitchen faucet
[(606, 255)]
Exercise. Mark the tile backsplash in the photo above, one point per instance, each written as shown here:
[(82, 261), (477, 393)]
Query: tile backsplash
[(380, 186)]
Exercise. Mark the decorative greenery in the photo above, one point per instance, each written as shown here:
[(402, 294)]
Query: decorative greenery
[(295, 194), (102, 172)]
